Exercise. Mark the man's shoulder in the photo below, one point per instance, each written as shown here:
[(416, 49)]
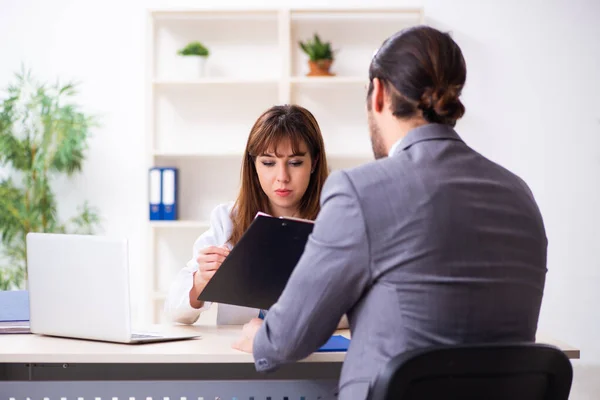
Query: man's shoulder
[(371, 172)]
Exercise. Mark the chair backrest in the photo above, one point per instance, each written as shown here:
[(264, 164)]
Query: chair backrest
[(467, 372)]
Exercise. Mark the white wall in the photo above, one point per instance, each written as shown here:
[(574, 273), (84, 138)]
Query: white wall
[(531, 97), (532, 105)]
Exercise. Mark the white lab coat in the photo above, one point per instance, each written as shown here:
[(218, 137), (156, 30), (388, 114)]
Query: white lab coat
[(177, 305)]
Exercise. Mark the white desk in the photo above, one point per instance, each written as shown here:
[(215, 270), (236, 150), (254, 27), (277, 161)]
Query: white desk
[(207, 364), (213, 346)]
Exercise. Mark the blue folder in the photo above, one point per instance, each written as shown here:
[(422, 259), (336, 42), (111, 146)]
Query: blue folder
[(155, 194), (335, 343), (168, 196), (14, 305)]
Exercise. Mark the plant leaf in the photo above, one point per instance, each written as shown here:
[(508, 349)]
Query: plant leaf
[(43, 133), (86, 221)]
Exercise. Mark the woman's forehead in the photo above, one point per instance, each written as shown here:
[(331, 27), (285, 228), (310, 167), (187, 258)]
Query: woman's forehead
[(286, 147)]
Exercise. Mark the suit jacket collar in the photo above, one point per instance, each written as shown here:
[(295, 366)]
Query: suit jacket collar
[(427, 132)]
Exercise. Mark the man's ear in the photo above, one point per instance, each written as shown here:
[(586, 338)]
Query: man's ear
[(378, 95)]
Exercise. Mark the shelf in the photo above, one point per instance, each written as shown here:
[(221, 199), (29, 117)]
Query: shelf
[(353, 156), (349, 14), (354, 34), (199, 123), (261, 81), (180, 224), (329, 80), (192, 154), (242, 46), (211, 120), (266, 14), (238, 156), (211, 15), (159, 296), (215, 81)]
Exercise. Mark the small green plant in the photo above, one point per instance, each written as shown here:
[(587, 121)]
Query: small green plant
[(194, 49), (316, 49), (43, 135)]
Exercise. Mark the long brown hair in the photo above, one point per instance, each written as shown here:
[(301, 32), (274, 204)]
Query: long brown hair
[(285, 122)]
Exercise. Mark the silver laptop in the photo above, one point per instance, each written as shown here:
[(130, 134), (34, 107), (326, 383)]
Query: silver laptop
[(79, 288)]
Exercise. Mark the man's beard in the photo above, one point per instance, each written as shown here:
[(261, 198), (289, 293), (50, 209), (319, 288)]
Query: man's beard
[(379, 150)]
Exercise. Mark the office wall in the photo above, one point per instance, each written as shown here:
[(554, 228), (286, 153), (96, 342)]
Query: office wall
[(531, 97)]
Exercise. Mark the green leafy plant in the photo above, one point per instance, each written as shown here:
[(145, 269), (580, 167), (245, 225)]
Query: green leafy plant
[(316, 49), (194, 49), (43, 135)]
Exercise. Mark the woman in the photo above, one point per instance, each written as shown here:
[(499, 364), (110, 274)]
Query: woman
[(283, 170)]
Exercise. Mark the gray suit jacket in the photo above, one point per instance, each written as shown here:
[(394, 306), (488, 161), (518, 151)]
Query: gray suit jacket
[(433, 245)]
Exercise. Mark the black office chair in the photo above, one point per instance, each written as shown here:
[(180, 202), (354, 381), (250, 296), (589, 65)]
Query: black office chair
[(482, 372)]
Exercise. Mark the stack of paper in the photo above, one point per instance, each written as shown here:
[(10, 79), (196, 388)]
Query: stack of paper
[(14, 311)]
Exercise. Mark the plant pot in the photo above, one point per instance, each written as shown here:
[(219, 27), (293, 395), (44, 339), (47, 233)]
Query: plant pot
[(194, 66), (320, 68)]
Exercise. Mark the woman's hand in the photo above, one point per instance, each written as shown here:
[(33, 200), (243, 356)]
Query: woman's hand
[(209, 260)]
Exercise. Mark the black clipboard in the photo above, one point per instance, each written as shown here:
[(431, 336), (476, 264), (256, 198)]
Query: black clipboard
[(258, 267)]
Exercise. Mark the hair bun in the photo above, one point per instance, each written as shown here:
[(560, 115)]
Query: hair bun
[(442, 105)]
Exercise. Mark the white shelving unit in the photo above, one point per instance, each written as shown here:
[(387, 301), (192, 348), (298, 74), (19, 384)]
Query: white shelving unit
[(200, 124), (180, 224)]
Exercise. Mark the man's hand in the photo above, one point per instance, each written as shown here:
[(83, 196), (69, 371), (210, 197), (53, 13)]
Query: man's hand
[(248, 332)]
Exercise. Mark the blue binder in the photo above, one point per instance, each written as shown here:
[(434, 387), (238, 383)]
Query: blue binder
[(169, 193), (154, 194), (336, 343)]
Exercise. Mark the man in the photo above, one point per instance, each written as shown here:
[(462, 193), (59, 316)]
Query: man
[(431, 245)]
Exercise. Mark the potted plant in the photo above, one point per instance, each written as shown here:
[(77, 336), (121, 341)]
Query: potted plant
[(195, 53), (43, 137), (320, 56)]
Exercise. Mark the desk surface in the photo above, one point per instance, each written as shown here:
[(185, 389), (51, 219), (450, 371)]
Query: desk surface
[(214, 346)]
